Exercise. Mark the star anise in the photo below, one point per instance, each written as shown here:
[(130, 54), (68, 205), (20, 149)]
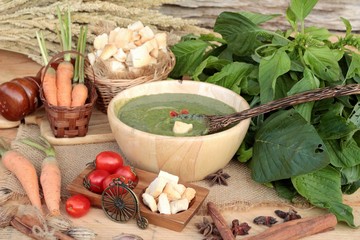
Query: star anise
[(218, 177), (205, 227)]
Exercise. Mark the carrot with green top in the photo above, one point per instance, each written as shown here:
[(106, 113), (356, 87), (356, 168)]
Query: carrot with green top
[(80, 91), (25, 172), (50, 177), (65, 70), (49, 77)]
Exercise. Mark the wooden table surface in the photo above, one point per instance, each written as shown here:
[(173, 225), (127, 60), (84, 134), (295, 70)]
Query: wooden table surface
[(16, 65)]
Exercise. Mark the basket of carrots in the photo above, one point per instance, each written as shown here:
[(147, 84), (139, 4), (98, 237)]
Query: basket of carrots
[(68, 96), (126, 57)]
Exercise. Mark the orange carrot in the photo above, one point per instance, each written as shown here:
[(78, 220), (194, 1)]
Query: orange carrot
[(65, 70), (50, 177), (49, 86), (79, 95), (80, 91), (49, 79), (25, 172), (64, 75)]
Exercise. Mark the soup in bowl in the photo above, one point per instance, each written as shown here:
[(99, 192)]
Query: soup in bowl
[(191, 157)]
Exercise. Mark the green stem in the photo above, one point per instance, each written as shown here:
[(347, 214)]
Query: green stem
[(46, 147), (42, 46), (65, 32), (79, 75)]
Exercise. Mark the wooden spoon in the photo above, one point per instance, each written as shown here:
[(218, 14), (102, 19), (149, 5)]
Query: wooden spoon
[(217, 123)]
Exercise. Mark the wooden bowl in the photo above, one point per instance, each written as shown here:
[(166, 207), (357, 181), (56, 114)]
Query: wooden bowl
[(190, 158)]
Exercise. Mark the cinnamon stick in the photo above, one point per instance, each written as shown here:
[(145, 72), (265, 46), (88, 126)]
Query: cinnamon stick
[(296, 229), (220, 222), (25, 224)]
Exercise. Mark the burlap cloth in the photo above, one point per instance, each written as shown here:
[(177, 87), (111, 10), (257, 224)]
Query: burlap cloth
[(241, 193)]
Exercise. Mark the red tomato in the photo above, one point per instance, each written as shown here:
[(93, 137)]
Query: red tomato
[(77, 205), (110, 179), (109, 161), (94, 179), (129, 173), (173, 114), (124, 174), (184, 111)]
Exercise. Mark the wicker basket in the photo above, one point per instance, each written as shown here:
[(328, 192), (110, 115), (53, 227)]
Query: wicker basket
[(68, 122), (107, 88)]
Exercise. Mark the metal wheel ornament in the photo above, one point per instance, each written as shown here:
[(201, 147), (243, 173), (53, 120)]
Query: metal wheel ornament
[(120, 203)]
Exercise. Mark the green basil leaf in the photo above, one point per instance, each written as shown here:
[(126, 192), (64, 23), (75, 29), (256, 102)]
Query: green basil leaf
[(270, 69), (211, 63), (322, 61), (323, 189), (231, 75), (302, 8), (189, 54), (343, 156), (286, 145), (239, 32)]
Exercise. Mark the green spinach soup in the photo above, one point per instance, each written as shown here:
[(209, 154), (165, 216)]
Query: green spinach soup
[(158, 113)]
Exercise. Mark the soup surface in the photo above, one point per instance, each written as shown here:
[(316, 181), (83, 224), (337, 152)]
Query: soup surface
[(157, 113)]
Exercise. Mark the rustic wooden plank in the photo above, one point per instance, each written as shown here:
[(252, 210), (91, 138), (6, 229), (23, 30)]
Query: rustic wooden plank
[(326, 13)]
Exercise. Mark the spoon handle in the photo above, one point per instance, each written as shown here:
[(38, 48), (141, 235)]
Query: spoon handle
[(308, 96)]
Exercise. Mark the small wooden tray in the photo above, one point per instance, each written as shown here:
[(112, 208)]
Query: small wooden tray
[(175, 222)]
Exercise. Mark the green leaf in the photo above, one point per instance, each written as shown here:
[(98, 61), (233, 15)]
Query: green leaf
[(231, 75), (355, 115), (351, 188), (285, 189), (188, 55), (351, 174), (347, 25), (286, 145), (211, 63), (290, 16), (323, 189), (334, 126), (354, 67), (239, 32), (318, 33), (308, 82), (270, 69), (343, 156), (322, 61), (243, 154), (302, 8), (259, 18)]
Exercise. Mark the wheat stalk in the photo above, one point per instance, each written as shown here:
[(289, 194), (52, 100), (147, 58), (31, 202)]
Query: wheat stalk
[(20, 19)]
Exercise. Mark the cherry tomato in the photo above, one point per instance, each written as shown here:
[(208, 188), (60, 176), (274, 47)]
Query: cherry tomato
[(110, 179), (184, 111), (128, 172), (109, 161), (77, 205), (125, 174), (94, 179), (173, 114)]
